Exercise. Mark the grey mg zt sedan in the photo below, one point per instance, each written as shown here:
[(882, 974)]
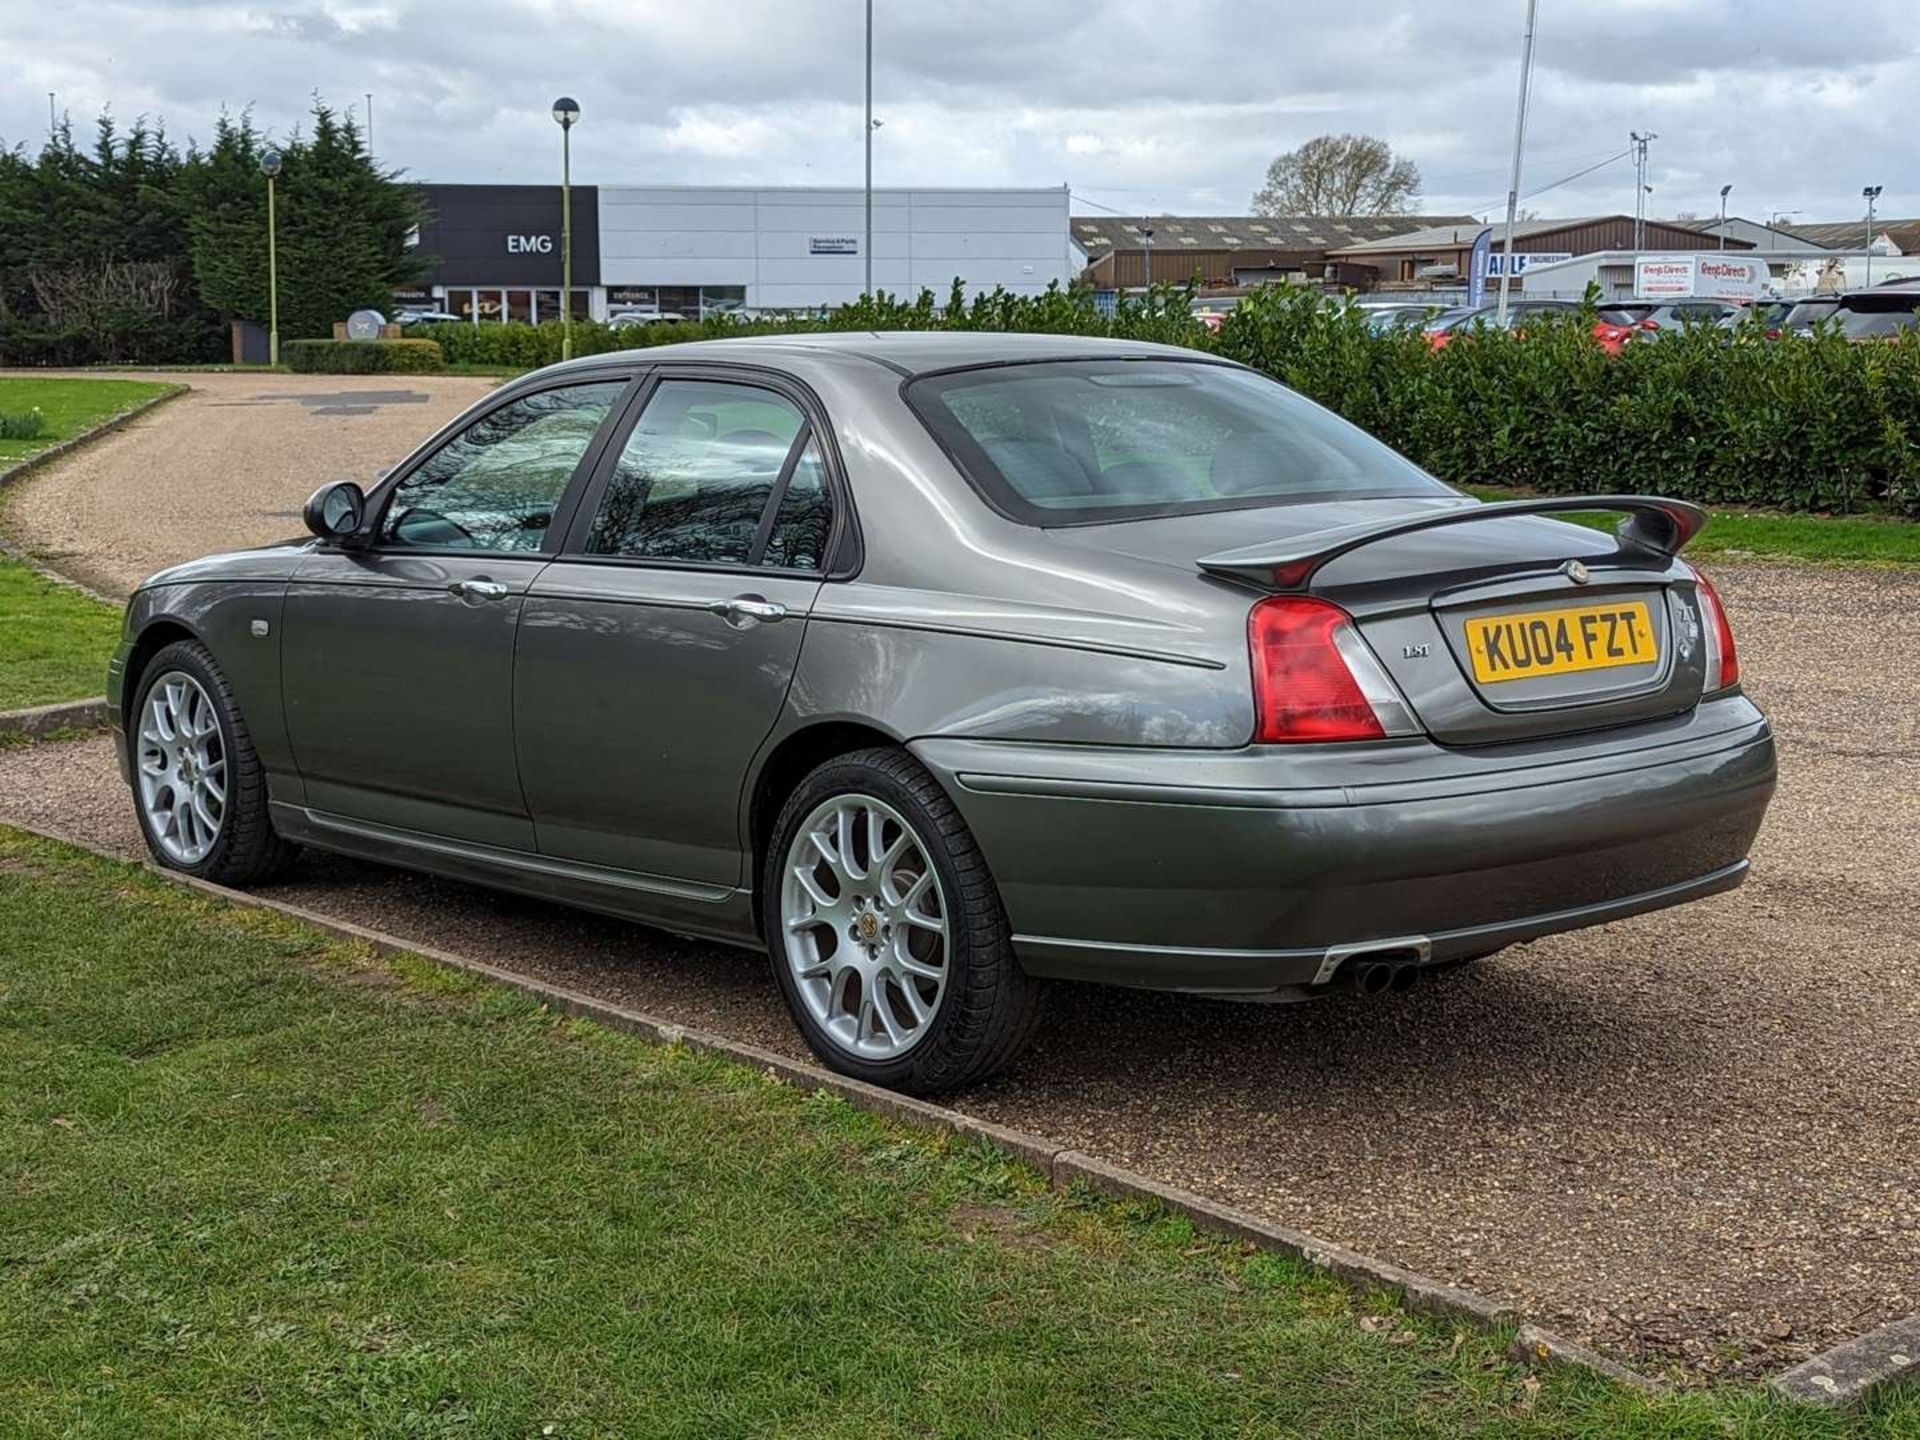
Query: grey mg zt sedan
[(943, 665)]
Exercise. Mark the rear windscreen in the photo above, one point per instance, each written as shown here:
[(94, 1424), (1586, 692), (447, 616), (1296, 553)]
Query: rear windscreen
[(1882, 319), (1074, 442)]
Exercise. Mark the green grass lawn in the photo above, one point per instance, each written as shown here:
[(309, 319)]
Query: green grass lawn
[(1839, 539), (70, 407), (54, 641), (256, 1181)]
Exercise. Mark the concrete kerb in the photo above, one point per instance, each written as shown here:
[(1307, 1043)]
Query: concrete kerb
[(1856, 1370), (1063, 1167), (50, 719)]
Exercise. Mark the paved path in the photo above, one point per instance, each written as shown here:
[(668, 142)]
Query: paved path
[(227, 465), (1691, 1137)]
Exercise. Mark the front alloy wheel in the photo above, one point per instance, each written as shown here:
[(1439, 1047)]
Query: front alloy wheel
[(198, 785), (181, 765)]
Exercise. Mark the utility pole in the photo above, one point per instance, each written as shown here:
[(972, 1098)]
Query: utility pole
[(369, 125), (1519, 144), (866, 248), (1640, 143), (52, 123)]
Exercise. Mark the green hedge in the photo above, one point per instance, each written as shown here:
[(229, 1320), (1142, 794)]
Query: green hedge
[(1163, 316), (1725, 418), (363, 357)]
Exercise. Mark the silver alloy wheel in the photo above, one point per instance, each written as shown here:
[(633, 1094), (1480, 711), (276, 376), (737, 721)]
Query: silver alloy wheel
[(864, 921), (182, 767)]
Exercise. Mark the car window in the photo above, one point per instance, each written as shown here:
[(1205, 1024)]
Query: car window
[(495, 484), (1071, 442), (798, 539), (694, 478)]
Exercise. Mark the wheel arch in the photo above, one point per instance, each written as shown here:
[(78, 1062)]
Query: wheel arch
[(159, 633), (790, 761)]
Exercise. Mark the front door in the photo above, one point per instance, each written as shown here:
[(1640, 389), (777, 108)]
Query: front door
[(656, 652), (398, 657)]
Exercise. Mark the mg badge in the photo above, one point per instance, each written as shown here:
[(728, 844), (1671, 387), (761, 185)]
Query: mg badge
[(1577, 572)]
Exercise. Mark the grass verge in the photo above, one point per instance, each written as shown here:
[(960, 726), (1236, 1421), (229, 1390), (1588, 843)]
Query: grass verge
[(1735, 534), (54, 641), (259, 1182), (71, 407)]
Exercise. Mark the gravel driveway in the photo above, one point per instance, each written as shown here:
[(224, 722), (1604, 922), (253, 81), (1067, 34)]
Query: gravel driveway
[(226, 465), (1691, 1137)]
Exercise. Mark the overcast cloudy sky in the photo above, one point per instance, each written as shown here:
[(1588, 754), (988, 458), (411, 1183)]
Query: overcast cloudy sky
[(1163, 105)]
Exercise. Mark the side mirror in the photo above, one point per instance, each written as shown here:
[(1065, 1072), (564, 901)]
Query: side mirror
[(336, 511)]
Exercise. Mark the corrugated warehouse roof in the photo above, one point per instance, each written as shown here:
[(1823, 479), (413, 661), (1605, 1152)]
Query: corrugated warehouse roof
[(1443, 236), (1852, 234), (1101, 234)]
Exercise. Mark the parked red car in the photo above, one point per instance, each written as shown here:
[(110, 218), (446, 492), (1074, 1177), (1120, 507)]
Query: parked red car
[(1610, 334)]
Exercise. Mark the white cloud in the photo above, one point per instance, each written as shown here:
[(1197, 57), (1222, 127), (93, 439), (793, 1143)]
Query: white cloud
[(1136, 103)]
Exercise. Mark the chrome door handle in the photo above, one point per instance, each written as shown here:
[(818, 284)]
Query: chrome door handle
[(743, 608), (478, 589)]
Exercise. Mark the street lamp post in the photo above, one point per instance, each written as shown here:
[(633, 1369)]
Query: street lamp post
[(1723, 215), (1147, 233), (1519, 144), (1871, 193), (566, 110), (866, 244), (270, 164)]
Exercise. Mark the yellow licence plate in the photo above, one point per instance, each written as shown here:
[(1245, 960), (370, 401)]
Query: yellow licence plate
[(1557, 642)]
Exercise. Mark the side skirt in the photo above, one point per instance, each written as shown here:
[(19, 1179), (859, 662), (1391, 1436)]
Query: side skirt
[(709, 912)]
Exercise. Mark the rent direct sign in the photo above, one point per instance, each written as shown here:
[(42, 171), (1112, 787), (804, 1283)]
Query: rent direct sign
[(1713, 276)]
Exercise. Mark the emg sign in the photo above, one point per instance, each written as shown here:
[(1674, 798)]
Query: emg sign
[(529, 244)]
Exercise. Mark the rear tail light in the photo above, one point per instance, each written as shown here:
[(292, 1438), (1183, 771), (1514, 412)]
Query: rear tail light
[(1314, 679), (1723, 660)]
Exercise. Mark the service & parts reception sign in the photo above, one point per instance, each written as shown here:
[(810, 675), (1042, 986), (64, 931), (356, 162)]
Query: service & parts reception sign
[(1713, 276)]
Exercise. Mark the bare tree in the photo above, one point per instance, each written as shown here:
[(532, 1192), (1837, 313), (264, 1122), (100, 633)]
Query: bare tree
[(1339, 175)]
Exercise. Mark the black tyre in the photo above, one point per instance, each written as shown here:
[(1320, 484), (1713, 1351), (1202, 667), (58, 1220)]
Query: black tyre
[(198, 785), (886, 933)]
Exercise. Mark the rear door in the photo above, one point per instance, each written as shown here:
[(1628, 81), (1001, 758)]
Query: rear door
[(656, 652)]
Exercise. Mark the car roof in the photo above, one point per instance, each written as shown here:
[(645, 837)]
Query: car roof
[(906, 352), (1893, 290)]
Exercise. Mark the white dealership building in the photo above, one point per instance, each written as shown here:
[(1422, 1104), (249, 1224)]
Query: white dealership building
[(692, 249)]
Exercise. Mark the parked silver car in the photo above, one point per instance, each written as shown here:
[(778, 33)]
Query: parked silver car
[(942, 664)]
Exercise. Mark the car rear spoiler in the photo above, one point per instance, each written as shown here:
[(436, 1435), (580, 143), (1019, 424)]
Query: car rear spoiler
[(1653, 526)]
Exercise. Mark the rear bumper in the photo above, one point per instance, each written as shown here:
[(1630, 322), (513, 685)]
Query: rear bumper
[(1237, 871)]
